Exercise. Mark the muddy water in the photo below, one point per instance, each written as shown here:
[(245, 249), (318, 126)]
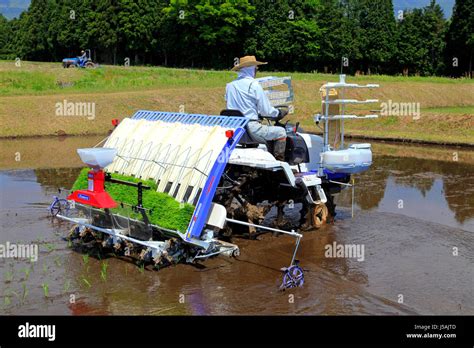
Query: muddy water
[(413, 210)]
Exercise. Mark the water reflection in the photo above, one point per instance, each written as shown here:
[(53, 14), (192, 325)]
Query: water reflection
[(438, 191), (431, 190), (51, 179)]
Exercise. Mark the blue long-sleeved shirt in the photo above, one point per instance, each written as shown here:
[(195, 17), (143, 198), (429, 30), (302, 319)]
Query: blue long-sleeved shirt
[(246, 95)]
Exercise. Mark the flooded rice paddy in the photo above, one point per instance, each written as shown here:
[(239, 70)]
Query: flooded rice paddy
[(414, 215)]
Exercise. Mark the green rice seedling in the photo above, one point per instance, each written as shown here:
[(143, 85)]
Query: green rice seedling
[(45, 287), (103, 271), (27, 272), (142, 268), (7, 300), (163, 211), (24, 293), (67, 285), (57, 261), (85, 259), (8, 276), (49, 247), (15, 293), (86, 281)]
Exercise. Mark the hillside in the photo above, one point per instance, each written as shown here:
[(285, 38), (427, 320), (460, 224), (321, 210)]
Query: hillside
[(28, 98)]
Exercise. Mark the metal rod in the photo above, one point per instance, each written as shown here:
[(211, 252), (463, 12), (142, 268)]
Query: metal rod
[(352, 117), (326, 121), (340, 183), (353, 188), (342, 120), (294, 234), (296, 249), (100, 142), (126, 183), (161, 163)]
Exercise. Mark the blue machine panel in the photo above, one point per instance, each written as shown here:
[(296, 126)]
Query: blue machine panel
[(231, 122), (203, 205)]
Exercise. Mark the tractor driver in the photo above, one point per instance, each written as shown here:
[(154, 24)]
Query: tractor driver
[(246, 95), (83, 56)]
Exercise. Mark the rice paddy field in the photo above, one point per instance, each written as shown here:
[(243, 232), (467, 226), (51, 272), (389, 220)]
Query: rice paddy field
[(30, 93), (409, 249)]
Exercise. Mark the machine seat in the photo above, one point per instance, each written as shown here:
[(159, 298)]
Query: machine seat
[(246, 140)]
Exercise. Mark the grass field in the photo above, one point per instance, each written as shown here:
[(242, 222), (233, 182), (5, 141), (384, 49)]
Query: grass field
[(28, 97)]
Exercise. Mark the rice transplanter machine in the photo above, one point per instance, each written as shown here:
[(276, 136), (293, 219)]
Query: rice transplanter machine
[(235, 184)]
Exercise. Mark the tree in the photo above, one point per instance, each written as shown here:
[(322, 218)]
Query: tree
[(5, 38), (206, 33), (286, 34), (340, 35), (32, 40), (432, 31), (410, 48), (459, 52), (101, 33), (378, 29), (420, 40), (136, 22)]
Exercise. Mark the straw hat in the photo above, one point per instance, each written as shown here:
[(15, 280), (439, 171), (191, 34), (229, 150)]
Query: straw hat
[(247, 61)]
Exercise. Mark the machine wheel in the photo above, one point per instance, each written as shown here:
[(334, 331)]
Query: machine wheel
[(319, 215), (293, 277), (59, 206), (314, 216), (90, 65)]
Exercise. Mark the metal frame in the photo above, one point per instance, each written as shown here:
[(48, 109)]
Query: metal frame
[(342, 85), (203, 120)]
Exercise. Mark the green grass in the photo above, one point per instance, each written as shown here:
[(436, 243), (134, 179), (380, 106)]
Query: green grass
[(49, 78), (451, 110), (165, 211), (52, 79), (28, 96)]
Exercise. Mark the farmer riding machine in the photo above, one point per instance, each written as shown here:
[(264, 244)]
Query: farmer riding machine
[(212, 168), (78, 62)]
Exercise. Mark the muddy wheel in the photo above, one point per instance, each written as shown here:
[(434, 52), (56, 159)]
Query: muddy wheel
[(319, 215), (90, 65), (59, 206), (293, 277)]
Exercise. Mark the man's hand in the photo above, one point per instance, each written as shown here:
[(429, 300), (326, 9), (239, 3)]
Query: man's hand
[(282, 112)]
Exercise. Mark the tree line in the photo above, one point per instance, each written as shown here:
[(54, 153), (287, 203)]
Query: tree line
[(354, 36)]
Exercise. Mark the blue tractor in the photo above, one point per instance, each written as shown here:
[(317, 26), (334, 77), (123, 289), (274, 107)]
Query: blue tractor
[(83, 61)]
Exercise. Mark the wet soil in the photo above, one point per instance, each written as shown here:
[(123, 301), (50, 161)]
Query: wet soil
[(414, 215)]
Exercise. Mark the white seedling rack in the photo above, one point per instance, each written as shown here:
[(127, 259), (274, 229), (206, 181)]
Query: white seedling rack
[(342, 85)]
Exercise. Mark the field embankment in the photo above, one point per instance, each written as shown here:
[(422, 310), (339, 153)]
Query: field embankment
[(29, 96)]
